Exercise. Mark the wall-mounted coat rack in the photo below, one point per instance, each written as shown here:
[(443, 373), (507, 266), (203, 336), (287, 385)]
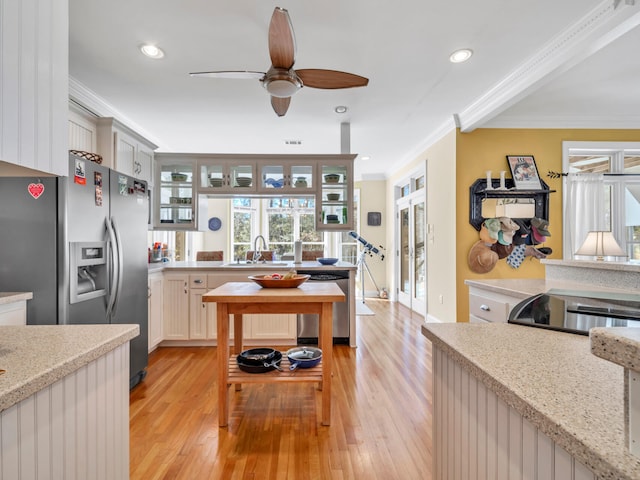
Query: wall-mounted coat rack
[(478, 194)]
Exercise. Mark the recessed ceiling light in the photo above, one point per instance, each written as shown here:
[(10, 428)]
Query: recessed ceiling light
[(461, 55), (341, 109), (365, 157), (152, 51)]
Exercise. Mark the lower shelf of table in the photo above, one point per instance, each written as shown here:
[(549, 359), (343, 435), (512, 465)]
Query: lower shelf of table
[(236, 375)]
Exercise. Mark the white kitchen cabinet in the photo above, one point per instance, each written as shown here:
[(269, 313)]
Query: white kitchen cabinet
[(270, 327), (187, 318), (155, 305), (291, 175), (34, 75), (14, 313), (489, 306), (198, 315), (256, 327), (175, 194), (83, 130), (326, 180), (334, 201), (497, 440), (194, 320), (175, 306), (219, 174), (124, 150)]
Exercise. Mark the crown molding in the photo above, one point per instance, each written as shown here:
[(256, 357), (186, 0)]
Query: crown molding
[(598, 28), (612, 122), (99, 107)]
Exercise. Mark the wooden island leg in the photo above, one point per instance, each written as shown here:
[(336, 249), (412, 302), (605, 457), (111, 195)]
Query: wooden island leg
[(223, 364), (326, 340), (237, 339)]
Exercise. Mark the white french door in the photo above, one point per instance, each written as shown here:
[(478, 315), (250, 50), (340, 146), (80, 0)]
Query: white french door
[(412, 255)]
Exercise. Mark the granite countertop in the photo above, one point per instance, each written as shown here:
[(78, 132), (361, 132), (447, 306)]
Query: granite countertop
[(35, 356), (230, 266), (618, 345), (553, 380), (527, 287), (594, 264), (11, 297)]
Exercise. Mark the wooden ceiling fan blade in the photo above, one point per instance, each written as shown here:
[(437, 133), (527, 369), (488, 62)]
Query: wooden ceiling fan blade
[(282, 42), (280, 105), (330, 79), (235, 74)]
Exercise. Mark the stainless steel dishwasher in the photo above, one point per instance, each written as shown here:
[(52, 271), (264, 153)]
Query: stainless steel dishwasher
[(308, 322)]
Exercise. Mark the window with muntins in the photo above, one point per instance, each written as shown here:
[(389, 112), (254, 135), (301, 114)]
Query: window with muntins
[(609, 175)]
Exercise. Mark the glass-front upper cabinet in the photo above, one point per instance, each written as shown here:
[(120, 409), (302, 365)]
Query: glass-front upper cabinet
[(220, 176), (335, 197), (174, 195), (291, 177)]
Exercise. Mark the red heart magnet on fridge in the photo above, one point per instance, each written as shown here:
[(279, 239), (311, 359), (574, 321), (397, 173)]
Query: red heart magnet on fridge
[(35, 189)]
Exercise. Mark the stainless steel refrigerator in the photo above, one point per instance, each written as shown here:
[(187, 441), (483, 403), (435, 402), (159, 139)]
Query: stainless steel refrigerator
[(79, 243)]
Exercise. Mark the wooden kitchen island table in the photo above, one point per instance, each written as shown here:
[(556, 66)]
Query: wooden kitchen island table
[(239, 298)]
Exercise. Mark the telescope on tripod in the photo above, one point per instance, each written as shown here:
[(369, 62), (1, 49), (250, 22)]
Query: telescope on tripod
[(368, 249)]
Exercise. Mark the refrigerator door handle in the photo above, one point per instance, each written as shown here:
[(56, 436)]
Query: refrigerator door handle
[(114, 267), (120, 261)]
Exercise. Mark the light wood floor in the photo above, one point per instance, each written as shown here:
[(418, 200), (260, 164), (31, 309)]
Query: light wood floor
[(381, 414)]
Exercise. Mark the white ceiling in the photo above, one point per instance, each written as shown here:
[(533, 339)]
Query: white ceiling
[(529, 69)]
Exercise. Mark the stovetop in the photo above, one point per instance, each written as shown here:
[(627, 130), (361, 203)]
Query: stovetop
[(576, 314)]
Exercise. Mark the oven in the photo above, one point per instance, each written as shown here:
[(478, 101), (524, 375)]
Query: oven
[(577, 312)]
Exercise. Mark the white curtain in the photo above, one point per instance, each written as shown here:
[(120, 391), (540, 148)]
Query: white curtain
[(584, 209)]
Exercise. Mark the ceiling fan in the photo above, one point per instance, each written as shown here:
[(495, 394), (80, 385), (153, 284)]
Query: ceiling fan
[(281, 80)]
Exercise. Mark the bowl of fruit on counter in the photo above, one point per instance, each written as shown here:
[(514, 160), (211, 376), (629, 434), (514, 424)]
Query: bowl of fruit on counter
[(279, 280)]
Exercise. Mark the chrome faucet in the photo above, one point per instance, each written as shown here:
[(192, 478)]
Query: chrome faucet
[(257, 252)]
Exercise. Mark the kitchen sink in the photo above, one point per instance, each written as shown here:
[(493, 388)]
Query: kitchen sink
[(257, 265)]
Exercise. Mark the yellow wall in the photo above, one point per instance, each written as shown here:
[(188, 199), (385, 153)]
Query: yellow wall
[(373, 199), (486, 149), (440, 162)]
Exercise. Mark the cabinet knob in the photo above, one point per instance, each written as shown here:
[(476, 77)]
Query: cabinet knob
[(197, 281), (485, 308)]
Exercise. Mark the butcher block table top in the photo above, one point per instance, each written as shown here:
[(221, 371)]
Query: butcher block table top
[(242, 292), (239, 298)]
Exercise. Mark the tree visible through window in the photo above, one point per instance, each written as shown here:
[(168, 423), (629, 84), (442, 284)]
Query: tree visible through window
[(243, 214), (282, 221)]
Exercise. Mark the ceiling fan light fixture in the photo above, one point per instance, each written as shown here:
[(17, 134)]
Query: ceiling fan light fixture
[(152, 51), (281, 88), (281, 83), (461, 55)]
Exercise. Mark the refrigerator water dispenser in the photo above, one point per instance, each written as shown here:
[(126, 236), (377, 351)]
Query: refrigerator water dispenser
[(89, 273)]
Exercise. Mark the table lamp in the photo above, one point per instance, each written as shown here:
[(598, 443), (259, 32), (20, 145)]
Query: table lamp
[(601, 244)]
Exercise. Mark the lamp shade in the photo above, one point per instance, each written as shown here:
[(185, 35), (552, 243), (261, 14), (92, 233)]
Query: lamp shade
[(601, 244)]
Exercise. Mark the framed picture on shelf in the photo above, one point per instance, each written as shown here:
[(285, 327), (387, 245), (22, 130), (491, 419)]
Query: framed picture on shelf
[(524, 172)]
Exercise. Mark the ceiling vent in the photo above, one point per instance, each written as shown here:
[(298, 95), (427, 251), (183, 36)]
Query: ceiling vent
[(293, 142)]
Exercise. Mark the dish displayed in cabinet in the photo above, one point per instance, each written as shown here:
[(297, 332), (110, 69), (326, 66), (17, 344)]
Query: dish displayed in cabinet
[(332, 178), (243, 181)]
